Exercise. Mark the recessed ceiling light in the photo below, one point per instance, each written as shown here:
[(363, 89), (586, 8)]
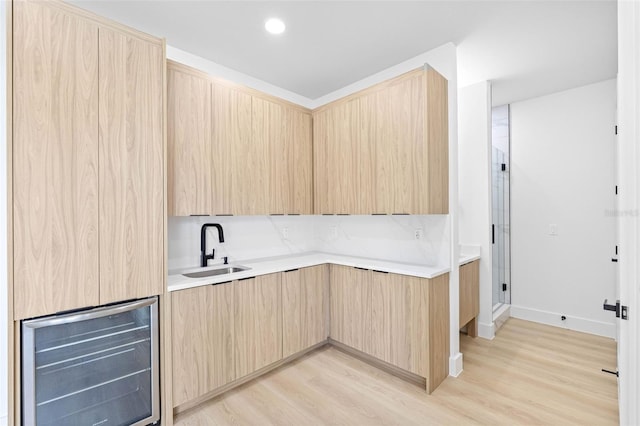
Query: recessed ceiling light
[(274, 26)]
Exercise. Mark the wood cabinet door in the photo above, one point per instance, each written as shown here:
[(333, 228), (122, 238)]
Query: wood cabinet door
[(350, 306), (55, 160), (267, 160), (393, 120), (435, 155), (131, 196), (189, 179), (298, 174), (337, 160), (400, 321), (232, 164), (305, 300), (258, 323), (203, 340), (469, 292)]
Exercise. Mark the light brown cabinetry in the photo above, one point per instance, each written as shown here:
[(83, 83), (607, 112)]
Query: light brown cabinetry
[(247, 154), (231, 125), (470, 296), (55, 160), (385, 149), (88, 184), (401, 320), (131, 167), (189, 143), (202, 340), (350, 306), (305, 302), (258, 323)]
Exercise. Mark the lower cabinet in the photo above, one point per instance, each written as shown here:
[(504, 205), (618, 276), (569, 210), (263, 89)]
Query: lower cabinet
[(223, 333), (202, 329), (470, 296), (305, 299), (401, 320), (258, 322)]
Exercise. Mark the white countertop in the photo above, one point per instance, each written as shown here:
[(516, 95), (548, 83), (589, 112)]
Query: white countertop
[(177, 281)]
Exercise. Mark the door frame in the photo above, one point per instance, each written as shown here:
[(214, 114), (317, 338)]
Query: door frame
[(628, 206)]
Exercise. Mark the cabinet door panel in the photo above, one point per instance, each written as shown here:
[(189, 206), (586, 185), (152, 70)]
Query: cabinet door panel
[(233, 171), (55, 160), (395, 120), (203, 336), (469, 292), (390, 319), (350, 306), (304, 308), (131, 167), (258, 323), (268, 159), (189, 144), (336, 144), (436, 147), (299, 148)]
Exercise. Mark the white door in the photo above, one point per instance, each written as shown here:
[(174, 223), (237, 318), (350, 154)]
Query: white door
[(628, 145)]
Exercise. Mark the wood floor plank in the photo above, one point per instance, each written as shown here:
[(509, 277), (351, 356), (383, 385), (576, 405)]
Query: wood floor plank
[(529, 374)]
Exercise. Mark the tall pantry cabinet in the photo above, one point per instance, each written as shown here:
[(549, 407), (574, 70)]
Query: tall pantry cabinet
[(88, 160)]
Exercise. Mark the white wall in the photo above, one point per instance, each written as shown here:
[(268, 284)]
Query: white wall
[(562, 171), (474, 171), (4, 316)]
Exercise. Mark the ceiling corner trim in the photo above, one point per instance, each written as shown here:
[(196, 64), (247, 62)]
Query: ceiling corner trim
[(234, 76)]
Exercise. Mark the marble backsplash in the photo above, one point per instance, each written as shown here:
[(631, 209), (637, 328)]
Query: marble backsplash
[(249, 237)]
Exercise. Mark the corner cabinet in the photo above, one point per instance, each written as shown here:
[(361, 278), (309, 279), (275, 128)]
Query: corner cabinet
[(384, 150), (400, 320), (234, 150), (88, 161)]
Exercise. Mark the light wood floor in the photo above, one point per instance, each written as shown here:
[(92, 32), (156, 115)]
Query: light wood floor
[(529, 374)]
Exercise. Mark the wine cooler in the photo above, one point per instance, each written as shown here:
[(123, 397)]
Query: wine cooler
[(92, 367)]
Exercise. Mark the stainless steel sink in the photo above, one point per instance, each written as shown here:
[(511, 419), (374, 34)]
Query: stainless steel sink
[(216, 272)]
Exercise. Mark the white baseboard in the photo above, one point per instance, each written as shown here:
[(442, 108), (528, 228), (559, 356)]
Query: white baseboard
[(584, 325), (500, 316), (455, 365), (486, 331)]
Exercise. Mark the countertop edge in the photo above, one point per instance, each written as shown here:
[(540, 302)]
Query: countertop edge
[(281, 264)]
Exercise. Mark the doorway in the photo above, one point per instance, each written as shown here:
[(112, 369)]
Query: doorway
[(500, 207)]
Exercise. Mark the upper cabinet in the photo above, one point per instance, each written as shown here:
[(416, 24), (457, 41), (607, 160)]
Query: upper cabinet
[(384, 150), (88, 157), (189, 143), (55, 160), (131, 167), (233, 150)]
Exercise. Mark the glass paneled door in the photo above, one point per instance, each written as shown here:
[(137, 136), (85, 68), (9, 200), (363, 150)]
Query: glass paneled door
[(500, 206)]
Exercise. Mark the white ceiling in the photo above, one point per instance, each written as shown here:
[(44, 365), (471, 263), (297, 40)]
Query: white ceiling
[(526, 48)]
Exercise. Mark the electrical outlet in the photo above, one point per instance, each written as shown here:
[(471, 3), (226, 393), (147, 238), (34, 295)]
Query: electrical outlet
[(285, 233), (419, 234)]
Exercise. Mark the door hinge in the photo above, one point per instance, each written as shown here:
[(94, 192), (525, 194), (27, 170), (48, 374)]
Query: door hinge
[(616, 189), (504, 286), (504, 167), (620, 310), (616, 129)]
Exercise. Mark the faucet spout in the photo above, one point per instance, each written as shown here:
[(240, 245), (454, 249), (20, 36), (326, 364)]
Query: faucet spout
[(204, 257)]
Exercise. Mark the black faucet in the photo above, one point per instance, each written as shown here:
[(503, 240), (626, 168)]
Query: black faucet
[(204, 257)]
